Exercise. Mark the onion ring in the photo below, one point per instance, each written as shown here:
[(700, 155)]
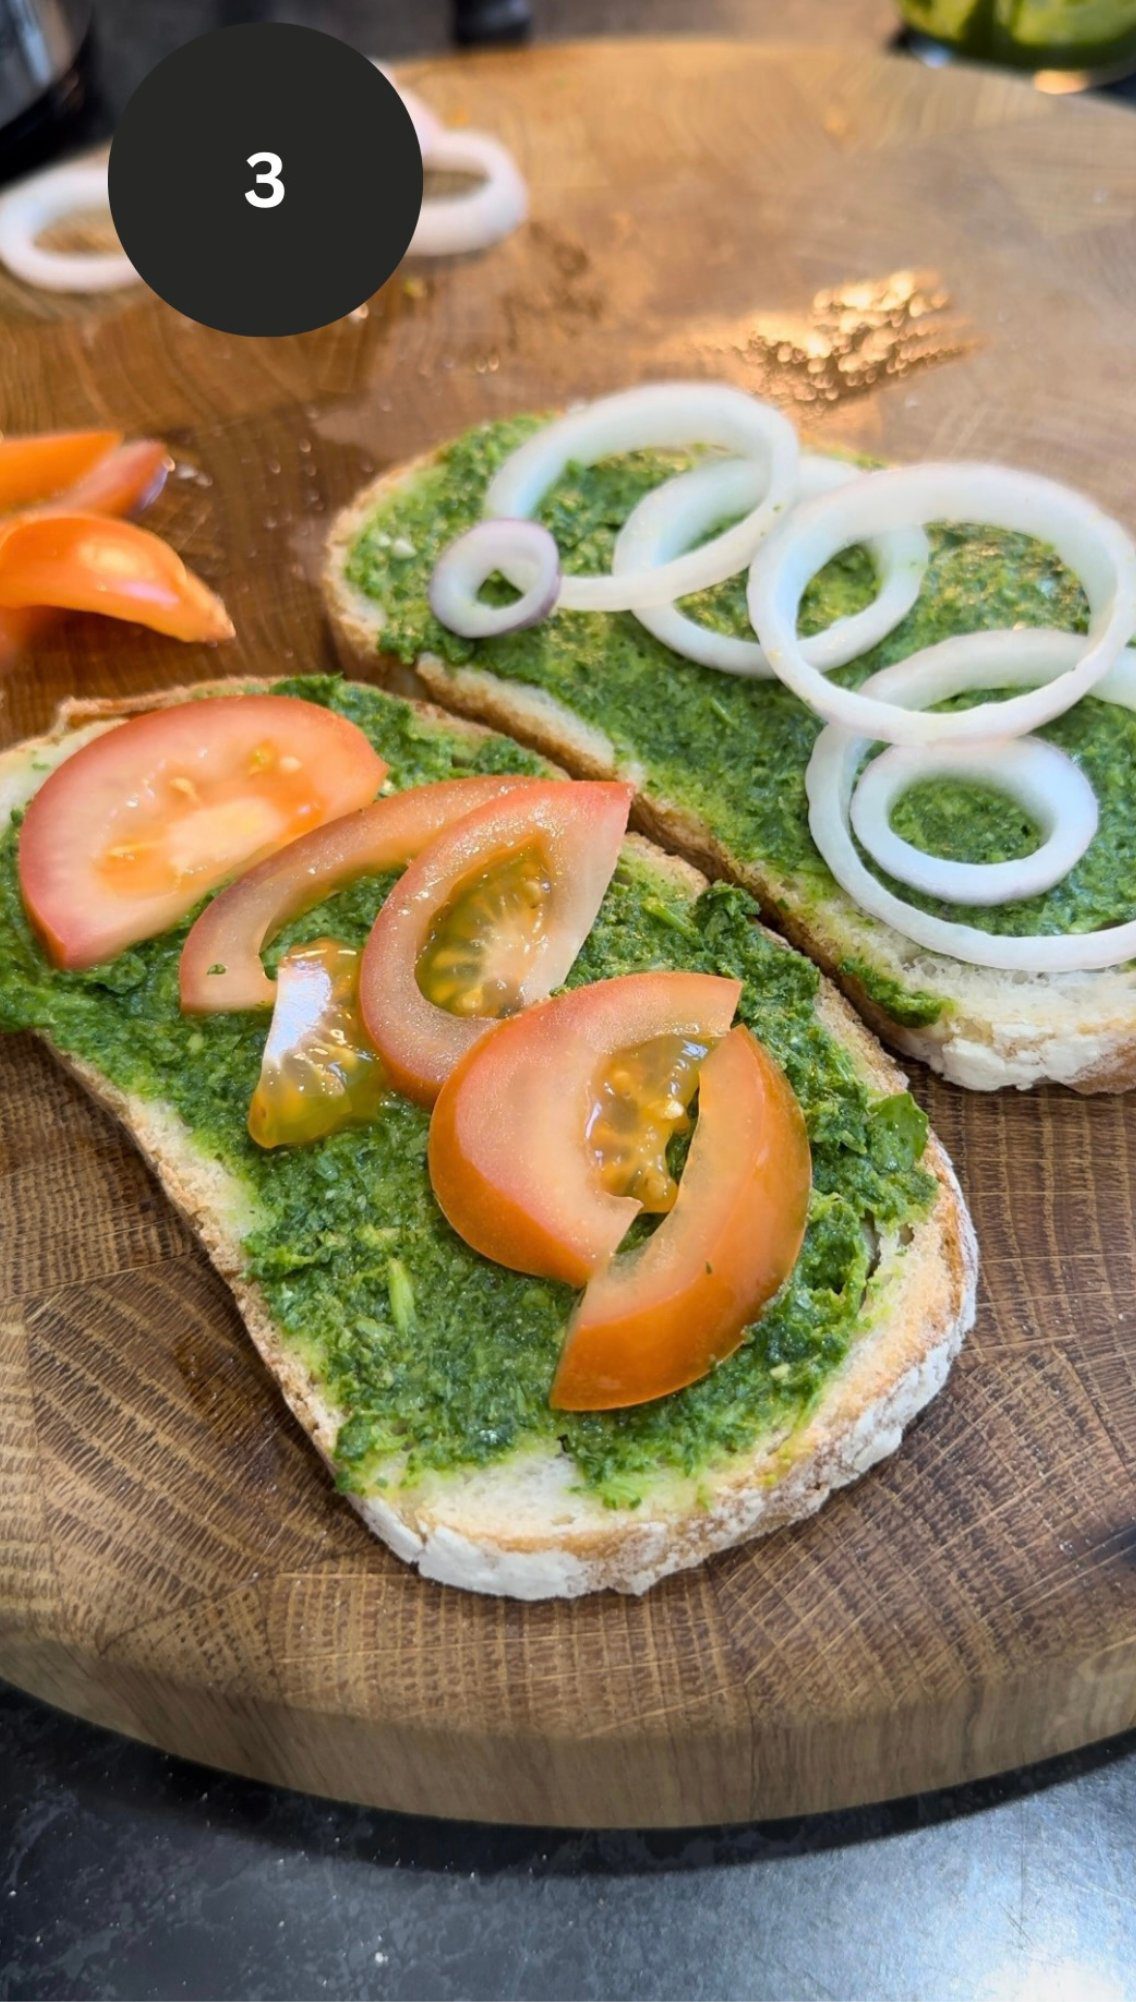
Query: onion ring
[(451, 224), (674, 515), (663, 415), (1093, 546), (33, 205), (523, 552), (1038, 776), (427, 126), (977, 660)]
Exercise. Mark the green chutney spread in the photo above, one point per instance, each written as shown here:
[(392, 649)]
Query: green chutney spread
[(435, 1357), (734, 752)]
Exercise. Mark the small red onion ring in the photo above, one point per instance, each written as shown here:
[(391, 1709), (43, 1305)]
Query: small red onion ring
[(674, 515), (663, 416), (522, 552), (1094, 547)]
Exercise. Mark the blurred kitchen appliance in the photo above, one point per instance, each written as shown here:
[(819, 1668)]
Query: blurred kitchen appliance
[(491, 20), (44, 77)]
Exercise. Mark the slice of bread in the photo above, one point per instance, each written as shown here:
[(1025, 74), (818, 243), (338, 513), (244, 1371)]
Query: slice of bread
[(993, 1029), (523, 1526)]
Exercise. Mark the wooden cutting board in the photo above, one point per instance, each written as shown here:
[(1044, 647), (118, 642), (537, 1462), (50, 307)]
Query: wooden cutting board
[(173, 1560)]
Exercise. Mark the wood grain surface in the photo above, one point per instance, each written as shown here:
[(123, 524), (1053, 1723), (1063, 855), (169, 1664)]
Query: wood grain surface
[(173, 1560)]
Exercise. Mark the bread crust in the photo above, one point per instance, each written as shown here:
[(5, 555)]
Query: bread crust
[(995, 1030), (520, 1527)]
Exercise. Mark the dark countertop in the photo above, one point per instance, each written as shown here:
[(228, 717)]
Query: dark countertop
[(132, 1874), (126, 1873)]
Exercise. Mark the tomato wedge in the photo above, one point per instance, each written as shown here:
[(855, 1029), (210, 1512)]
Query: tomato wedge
[(122, 481), (319, 1072), (487, 920), (92, 563), (662, 1316), (521, 1155), (220, 961), (33, 469), (126, 835)]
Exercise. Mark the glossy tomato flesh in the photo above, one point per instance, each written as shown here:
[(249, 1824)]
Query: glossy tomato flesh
[(86, 562), (220, 962), (550, 1133), (127, 833), (319, 1072), (36, 468), (123, 480), (663, 1315), (487, 920)]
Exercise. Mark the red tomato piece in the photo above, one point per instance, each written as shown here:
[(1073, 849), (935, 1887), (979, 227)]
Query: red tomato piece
[(122, 482), (661, 1316), (526, 1145), (319, 1072), (34, 469), (220, 961), (125, 836), (487, 920), (92, 563)]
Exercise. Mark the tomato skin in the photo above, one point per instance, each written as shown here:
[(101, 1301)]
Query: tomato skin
[(579, 824), (88, 562), (661, 1317), (34, 469), (123, 480), (507, 1154), (261, 765), (234, 929)]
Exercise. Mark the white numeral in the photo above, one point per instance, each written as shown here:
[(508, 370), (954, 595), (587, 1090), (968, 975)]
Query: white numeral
[(273, 168)]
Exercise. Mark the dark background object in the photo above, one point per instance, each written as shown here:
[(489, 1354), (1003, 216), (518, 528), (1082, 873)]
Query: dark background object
[(131, 1874), (484, 21), (45, 79)]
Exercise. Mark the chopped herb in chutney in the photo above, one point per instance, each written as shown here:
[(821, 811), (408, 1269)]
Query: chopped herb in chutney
[(432, 1353), (734, 752)]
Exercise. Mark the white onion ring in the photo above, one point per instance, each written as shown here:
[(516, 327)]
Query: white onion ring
[(523, 552), (451, 224), (977, 660), (674, 515), (1039, 777), (664, 416), (1090, 543), (427, 126), (34, 205)]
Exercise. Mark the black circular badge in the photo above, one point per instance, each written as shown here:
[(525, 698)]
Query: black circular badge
[(265, 179)]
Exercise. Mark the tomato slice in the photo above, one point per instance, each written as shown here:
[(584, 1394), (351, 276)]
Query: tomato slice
[(319, 1071), (220, 961), (126, 835), (92, 563), (33, 469), (661, 1316), (487, 920), (123, 481), (533, 1154)]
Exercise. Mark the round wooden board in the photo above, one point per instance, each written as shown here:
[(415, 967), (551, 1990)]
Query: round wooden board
[(173, 1560)]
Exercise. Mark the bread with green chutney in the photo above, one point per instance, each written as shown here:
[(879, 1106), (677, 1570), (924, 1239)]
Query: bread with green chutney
[(719, 762), (420, 1370)]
